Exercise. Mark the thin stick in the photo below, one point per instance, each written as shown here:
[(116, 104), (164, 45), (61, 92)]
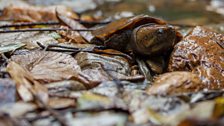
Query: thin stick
[(50, 23), (44, 29), (92, 22), (97, 49), (29, 24), (115, 109)]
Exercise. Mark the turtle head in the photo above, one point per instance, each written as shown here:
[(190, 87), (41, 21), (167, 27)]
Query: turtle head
[(152, 39)]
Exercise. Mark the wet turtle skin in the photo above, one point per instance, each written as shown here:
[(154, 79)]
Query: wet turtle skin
[(142, 34)]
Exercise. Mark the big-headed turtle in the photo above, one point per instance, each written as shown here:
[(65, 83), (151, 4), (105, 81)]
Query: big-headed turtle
[(142, 34)]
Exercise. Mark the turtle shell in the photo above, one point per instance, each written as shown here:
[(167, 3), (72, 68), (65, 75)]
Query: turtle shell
[(105, 32)]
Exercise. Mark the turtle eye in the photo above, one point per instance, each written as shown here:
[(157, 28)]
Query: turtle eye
[(160, 31)]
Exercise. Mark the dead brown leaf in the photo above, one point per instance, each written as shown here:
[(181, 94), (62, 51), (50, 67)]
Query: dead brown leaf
[(27, 87), (75, 25), (72, 36), (46, 67)]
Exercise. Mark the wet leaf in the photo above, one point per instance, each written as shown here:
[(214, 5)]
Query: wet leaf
[(176, 83), (196, 53)]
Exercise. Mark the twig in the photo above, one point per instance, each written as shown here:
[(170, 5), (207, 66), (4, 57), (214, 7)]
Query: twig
[(92, 22), (57, 46), (44, 29), (29, 24), (74, 110), (96, 49), (50, 23)]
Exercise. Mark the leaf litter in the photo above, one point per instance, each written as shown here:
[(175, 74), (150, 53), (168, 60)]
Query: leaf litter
[(66, 77)]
